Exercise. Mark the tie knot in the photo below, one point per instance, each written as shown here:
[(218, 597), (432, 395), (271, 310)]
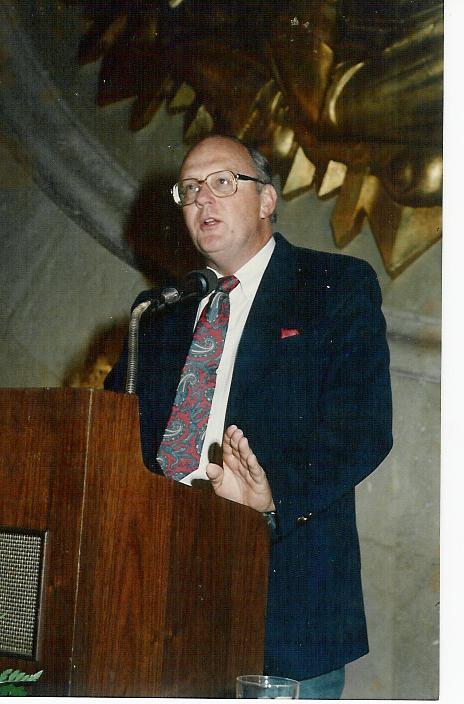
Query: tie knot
[(227, 284)]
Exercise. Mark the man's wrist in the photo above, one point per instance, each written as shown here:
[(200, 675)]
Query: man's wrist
[(271, 519)]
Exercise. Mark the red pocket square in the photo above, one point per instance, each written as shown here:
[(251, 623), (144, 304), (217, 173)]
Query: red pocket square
[(288, 332)]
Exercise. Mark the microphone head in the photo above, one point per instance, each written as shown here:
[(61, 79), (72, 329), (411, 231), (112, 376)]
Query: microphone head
[(199, 283)]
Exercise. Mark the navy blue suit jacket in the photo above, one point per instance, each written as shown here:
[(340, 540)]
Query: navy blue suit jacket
[(316, 408)]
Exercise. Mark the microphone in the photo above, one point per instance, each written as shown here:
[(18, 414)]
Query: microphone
[(196, 284)]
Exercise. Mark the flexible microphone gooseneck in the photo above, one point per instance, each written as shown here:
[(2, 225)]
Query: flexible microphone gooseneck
[(197, 284)]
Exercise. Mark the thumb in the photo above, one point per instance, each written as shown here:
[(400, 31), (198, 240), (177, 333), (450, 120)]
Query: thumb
[(215, 473)]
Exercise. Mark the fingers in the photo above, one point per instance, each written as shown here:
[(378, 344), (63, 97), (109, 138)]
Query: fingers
[(227, 438), (241, 478), (236, 444)]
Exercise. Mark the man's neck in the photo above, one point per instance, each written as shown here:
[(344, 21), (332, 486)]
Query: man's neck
[(231, 268)]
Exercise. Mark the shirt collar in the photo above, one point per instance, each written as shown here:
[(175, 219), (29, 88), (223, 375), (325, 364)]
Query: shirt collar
[(250, 274)]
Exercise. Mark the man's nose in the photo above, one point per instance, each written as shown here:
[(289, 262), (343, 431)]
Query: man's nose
[(204, 194)]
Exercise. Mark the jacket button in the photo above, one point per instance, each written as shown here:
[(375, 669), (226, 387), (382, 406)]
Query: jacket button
[(304, 519)]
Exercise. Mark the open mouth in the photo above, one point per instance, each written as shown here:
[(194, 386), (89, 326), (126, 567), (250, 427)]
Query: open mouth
[(209, 222)]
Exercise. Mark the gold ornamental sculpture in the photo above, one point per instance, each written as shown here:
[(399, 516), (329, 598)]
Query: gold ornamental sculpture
[(342, 95)]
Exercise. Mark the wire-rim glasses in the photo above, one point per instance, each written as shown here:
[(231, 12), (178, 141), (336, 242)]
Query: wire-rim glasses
[(220, 183)]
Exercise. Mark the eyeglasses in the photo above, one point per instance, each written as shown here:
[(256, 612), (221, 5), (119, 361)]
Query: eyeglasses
[(220, 183)]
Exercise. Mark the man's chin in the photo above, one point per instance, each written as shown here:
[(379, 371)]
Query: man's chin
[(210, 243)]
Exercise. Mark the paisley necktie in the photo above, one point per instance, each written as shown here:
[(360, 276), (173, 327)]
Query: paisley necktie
[(182, 443)]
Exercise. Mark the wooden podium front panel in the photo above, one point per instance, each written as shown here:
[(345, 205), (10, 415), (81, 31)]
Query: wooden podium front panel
[(172, 579), (149, 587), (216, 596), (43, 437), (119, 619)]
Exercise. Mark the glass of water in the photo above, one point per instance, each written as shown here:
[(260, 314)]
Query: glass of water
[(266, 687)]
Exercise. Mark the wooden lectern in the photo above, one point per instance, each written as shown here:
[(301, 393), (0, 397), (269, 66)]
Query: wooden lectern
[(115, 581)]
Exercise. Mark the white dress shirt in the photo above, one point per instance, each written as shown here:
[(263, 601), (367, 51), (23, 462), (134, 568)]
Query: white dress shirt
[(241, 299)]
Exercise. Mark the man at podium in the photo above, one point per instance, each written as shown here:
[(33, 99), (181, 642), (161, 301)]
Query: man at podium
[(274, 388)]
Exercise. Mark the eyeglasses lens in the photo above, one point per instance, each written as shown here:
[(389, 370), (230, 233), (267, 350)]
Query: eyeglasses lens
[(221, 183)]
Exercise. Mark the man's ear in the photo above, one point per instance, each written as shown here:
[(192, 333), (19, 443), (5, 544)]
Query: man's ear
[(268, 197)]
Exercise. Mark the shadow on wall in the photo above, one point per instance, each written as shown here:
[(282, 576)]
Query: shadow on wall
[(156, 234), (102, 353)]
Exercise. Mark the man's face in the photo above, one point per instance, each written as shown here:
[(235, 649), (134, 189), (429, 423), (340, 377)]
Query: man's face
[(227, 231)]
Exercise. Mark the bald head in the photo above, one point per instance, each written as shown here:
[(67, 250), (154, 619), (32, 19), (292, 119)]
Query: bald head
[(261, 165), (230, 230)]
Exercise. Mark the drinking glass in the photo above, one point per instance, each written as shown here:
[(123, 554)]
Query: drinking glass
[(266, 687)]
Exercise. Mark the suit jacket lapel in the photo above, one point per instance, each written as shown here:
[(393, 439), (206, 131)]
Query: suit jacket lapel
[(276, 306)]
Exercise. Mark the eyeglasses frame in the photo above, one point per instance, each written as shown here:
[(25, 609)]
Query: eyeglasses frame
[(237, 177)]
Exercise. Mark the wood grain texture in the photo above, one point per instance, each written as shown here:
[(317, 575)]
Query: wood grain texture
[(43, 437), (152, 588)]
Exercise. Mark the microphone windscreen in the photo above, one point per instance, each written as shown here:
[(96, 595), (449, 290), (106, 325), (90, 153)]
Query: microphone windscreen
[(211, 280), (199, 283)]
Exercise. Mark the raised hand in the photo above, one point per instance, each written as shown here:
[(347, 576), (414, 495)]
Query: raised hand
[(241, 478)]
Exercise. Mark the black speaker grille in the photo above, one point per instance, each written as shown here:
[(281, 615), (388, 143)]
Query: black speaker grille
[(20, 575)]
